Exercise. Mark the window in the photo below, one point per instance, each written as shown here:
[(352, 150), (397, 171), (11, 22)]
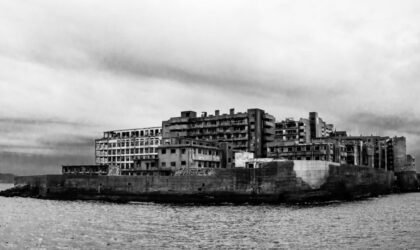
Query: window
[(163, 151), (183, 151), (173, 151), (173, 164), (183, 163)]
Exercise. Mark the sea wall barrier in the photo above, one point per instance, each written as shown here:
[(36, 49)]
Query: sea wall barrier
[(287, 181)]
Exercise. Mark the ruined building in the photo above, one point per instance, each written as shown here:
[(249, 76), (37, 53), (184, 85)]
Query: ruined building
[(129, 147), (303, 130), (319, 128), (322, 150), (248, 131), (290, 130)]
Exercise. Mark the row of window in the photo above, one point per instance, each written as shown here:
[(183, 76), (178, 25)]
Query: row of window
[(128, 151), (146, 132), (194, 151), (204, 164), (297, 149), (220, 122), (124, 158), (128, 144), (308, 158)]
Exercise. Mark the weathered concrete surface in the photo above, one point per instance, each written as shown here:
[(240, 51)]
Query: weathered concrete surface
[(407, 181), (288, 181), (314, 173)]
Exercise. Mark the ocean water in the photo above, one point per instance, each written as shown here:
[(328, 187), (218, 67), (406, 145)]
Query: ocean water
[(387, 222)]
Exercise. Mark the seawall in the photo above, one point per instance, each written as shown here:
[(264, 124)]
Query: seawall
[(407, 181), (288, 181)]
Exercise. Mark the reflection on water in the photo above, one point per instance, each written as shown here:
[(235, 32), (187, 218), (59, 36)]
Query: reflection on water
[(391, 222)]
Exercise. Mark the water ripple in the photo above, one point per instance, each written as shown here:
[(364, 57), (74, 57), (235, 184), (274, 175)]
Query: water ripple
[(389, 222)]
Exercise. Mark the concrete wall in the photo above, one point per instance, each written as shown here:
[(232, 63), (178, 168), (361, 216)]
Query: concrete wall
[(276, 181), (407, 181), (314, 173)]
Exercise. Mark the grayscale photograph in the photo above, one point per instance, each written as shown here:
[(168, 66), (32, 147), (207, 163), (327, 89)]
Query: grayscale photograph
[(223, 124)]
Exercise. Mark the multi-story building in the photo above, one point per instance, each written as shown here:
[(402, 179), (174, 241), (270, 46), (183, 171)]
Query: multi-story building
[(411, 163), (291, 130), (249, 131), (319, 128), (126, 148), (181, 153), (320, 150), (373, 151), (303, 130), (396, 153)]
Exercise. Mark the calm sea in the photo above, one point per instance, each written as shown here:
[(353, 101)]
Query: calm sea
[(388, 222)]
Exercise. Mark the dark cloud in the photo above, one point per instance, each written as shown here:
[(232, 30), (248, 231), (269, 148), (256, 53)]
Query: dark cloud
[(32, 164), (402, 123), (66, 142), (70, 70), (20, 121)]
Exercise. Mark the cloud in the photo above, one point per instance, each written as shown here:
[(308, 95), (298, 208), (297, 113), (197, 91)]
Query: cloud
[(70, 70), (34, 164), (402, 123)]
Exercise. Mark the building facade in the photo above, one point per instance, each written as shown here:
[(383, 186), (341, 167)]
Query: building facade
[(290, 130), (411, 163), (248, 131), (397, 153), (319, 150), (181, 153), (319, 128), (303, 130), (124, 148)]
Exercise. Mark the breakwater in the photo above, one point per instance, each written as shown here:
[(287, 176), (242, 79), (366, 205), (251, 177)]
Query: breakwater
[(287, 181)]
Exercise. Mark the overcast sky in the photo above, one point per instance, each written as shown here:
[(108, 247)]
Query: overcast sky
[(70, 70)]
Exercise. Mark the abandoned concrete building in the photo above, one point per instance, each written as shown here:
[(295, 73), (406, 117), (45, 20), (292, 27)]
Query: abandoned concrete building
[(211, 141), (319, 128), (248, 131), (373, 151), (320, 150), (302, 130), (290, 130), (185, 153), (122, 148)]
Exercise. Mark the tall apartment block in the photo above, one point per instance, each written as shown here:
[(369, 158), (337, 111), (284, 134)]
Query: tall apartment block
[(124, 148), (290, 130), (303, 130), (247, 131), (319, 128), (397, 153)]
